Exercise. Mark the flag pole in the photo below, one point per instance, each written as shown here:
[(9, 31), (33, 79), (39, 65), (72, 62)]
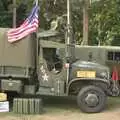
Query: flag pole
[(37, 44), (36, 2)]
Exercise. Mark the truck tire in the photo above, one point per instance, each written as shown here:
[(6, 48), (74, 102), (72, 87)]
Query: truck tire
[(91, 99), (27, 106)]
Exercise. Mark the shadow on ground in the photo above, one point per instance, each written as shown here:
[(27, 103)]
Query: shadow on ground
[(56, 104), (59, 103)]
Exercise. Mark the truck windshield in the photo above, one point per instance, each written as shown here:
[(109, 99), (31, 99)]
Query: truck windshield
[(54, 63)]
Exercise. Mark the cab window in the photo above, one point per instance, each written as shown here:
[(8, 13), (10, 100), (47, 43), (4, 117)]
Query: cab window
[(114, 56), (53, 59)]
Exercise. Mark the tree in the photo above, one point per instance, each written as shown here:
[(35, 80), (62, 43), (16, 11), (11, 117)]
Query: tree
[(104, 18), (105, 22)]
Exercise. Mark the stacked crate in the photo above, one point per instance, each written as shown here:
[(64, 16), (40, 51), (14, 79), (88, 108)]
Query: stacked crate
[(4, 104), (27, 106)]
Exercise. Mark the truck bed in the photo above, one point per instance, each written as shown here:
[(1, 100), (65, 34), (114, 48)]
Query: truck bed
[(16, 58)]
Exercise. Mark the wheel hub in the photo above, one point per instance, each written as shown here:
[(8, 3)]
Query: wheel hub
[(91, 100)]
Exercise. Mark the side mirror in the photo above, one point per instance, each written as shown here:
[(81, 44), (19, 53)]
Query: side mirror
[(58, 51)]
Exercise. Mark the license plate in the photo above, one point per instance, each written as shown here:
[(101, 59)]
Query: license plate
[(86, 74)]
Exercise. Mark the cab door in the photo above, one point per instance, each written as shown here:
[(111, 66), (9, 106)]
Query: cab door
[(51, 73)]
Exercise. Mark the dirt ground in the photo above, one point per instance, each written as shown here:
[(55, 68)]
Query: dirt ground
[(68, 110)]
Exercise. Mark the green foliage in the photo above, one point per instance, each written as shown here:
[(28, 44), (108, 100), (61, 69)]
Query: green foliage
[(21, 13), (104, 18), (105, 22), (5, 16)]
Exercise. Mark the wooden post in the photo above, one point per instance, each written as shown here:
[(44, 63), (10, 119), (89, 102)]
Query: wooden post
[(14, 13), (85, 22)]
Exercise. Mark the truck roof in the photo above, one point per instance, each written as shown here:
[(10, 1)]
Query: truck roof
[(100, 47), (51, 44)]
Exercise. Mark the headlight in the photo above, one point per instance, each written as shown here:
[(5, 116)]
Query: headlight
[(104, 75)]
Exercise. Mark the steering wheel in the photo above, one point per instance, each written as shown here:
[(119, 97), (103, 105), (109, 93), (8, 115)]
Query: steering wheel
[(52, 65)]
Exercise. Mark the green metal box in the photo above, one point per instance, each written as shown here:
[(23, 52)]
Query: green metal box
[(11, 85)]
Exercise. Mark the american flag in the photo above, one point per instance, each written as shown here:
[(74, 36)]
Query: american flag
[(29, 26)]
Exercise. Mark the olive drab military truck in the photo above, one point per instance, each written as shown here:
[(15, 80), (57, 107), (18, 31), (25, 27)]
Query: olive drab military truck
[(39, 67)]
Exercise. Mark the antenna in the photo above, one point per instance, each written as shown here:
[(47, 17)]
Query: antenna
[(70, 43), (68, 22)]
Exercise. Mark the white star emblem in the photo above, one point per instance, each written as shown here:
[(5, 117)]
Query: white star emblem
[(45, 77)]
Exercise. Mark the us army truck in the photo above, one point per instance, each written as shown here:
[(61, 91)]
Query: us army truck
[(35, 66), (40, 67)]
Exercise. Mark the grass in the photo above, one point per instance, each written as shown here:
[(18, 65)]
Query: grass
[(113, 103), (54, 106)]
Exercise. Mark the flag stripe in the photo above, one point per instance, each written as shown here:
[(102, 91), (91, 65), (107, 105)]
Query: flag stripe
[(15, 31), (23, 29), (18, 38), (23, 35), (29, 26)]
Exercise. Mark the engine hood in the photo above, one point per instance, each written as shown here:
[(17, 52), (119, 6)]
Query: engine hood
[(100, 70)]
